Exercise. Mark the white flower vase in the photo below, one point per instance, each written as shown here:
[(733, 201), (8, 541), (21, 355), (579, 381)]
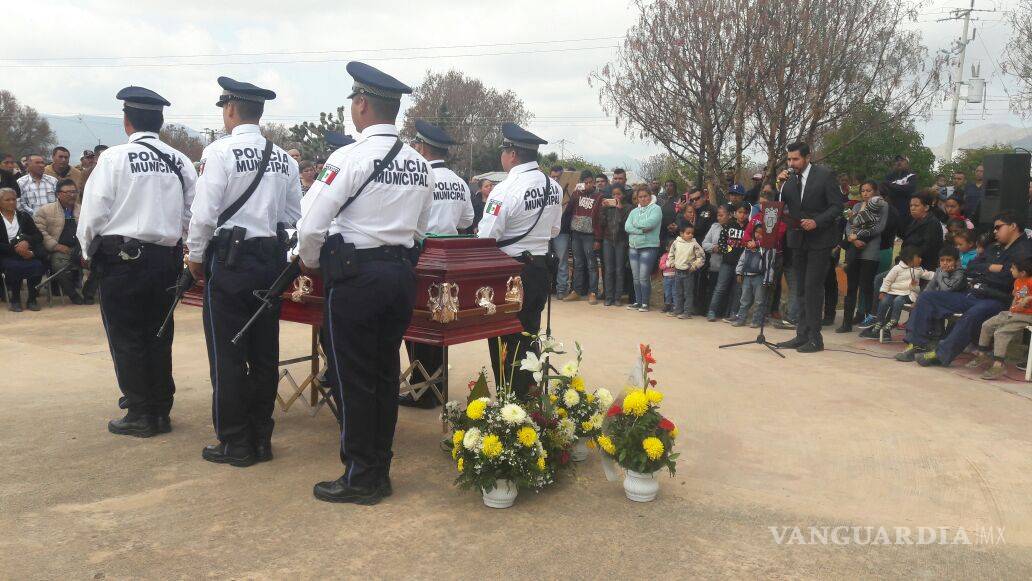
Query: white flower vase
[(579, 452), (640, 487), (503, 495)]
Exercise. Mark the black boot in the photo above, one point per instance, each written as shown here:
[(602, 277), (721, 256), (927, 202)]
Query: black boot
[(31, 303), (162, 424), (136, 425), (14, 299), (339, 491), (263, 450), (239, 456)]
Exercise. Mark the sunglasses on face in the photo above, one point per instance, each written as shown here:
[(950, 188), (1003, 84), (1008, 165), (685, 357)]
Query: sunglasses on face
[(694, 198), (998, 226)]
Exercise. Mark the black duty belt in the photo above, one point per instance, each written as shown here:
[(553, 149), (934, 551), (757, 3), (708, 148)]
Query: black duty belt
[(383, 253), (533, 260), (257, 245), (127, 248)]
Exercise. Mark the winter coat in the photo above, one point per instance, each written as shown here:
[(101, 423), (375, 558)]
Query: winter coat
[(686, 255)]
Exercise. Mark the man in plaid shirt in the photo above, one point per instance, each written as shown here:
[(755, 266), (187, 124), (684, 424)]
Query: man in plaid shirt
[(37, 188)]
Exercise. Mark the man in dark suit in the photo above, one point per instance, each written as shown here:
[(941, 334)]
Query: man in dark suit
[(813, 204)]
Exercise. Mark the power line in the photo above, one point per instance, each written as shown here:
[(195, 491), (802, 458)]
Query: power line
[(308, 52)]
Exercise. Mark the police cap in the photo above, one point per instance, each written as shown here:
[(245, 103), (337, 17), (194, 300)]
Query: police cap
[(373, 81), (140, 98), (433, 135), (233, 90), (336, 139), (514, 136)]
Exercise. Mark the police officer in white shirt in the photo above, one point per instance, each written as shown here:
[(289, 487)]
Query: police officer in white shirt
[(451, 211), (523, 214), (134, 212), (249, 190), (363, 217)]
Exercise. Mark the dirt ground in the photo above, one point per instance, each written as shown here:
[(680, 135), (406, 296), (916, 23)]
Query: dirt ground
[(827, 440)]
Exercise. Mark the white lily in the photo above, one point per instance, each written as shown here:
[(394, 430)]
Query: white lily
[(533, 363)]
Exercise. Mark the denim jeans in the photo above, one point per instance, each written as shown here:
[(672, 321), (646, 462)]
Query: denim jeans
[(937, 305), (561, 245), (614, 257), (725, 292), (891, 307), (642, 262), (684, 292), (668, 290), (753, 292), (585, 265)]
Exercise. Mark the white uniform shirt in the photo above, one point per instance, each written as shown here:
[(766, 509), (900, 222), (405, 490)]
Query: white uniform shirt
[(393, 210), (133, 193), (513, 206), (452, 207), (228, 166)]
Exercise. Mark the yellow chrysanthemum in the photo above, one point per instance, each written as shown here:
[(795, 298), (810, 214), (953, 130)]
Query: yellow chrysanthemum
[(541, 463), (457, 437), (635, 403), (492, 446), (606, 444), (654, 397), (653, 447), (553, 398), (476, 408), (590, 444), (461, 465), (455, 451), (673, 433), (527, 436), (577, 383), (560, 412), (590, 398), (587, 426)]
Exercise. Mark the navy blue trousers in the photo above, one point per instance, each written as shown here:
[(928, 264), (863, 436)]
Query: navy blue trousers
[(934, 306)]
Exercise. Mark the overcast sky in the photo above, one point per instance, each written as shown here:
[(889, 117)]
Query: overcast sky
[(552, 47)]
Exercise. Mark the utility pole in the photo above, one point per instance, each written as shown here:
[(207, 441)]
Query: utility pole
[(958, 13)]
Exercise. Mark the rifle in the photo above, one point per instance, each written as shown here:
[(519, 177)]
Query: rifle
[(74, 260), (183, 284), (269, 297)]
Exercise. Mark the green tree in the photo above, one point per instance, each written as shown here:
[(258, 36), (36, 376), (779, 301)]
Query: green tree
[(967, 160), (572, 163), (310, 137), (864, 144)]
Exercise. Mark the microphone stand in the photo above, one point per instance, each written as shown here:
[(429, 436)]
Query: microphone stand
[(761, 339)]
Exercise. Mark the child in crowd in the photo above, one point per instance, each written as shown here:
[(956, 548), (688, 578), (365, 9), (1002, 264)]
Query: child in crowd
[(668, 279), (899, 288), (998, 332), (751, 271), (687, 257), (949, 276), (714, 258), (965, 244), (726, 294)]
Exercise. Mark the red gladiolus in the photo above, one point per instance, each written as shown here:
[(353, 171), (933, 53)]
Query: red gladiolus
[(646, 353), (665, 424), (564, 458), (614, 410)]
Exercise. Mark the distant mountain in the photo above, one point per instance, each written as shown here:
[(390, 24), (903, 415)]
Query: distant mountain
[(989, 134), (80, 132)]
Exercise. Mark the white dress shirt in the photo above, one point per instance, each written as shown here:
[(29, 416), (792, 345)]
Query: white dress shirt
[(12, 227), (513, 206), (802, 180), (452, 207), (228, 166), (134, 193), (393, 210)]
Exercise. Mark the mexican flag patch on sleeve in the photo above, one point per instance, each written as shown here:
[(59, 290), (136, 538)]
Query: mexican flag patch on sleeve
[(494, 207), (327, 174)]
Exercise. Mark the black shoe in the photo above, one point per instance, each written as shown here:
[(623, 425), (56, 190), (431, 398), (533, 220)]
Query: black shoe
[(792, 343), (911, 353), (238, 456), (871, 332), (263, 450), (784, 324), (139, 426), (32, 306), (844, 328), (810, 347), (385, 487), (15, 307), (162, 424), (88, 300), (338, 491), (427, 402), (828, 321)]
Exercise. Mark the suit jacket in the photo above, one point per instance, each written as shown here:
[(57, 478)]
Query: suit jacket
[(50, 220), (27, 229), (822, 202)]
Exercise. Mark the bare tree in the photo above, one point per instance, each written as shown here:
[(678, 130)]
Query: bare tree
[(22, 129), (1018, 61), (470, 112), (280, 134), (180, 138)]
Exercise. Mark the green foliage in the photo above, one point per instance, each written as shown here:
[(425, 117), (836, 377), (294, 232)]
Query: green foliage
[(628, 432), (575, 163), (310, 137), (864, 144), (967, 160), (22, 129), (479, 387)]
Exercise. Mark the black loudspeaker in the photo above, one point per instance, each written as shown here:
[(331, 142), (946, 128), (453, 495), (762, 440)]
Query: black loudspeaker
[(1006, 186)]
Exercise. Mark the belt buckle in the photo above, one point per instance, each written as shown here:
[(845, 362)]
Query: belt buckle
[(127, 257)]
